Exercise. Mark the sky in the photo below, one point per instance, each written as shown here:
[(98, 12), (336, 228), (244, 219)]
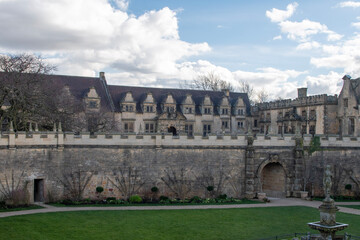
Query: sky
[(274, 45)]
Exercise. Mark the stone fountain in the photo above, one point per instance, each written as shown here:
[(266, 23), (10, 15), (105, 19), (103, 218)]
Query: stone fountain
[(327, 226)]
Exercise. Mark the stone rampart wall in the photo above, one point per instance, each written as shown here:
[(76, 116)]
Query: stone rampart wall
[(224, 162)]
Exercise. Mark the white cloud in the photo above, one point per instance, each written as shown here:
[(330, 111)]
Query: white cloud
[(330, 83), (279, 37), (301, 31), (86, 36), (277, 15), (308, 45), (356, 24), (345, 56), (121, 4), (353, 4)]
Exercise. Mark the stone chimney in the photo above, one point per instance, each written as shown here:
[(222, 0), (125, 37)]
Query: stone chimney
[(302, 92), (226, 91), (102, 75)]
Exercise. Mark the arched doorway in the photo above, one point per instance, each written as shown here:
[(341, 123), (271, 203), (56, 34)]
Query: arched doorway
[(273, 179), (172, 130)]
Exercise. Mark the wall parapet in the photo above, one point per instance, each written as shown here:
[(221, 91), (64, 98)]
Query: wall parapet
[(64, 139)]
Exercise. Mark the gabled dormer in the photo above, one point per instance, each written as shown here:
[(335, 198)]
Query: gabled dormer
[(91, 99), (128, 104), (188, 105), (149, 104), (169, 104), (240, 108), (207, 106), (225, 108)]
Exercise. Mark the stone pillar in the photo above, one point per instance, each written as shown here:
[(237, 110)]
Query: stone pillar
[(250, 168), (60, 138), (299, 164), (11, 136)]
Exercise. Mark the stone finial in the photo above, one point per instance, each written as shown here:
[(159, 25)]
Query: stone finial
[(60, 128), (30, 127), (36, 127), (54, 128), (11, 128)]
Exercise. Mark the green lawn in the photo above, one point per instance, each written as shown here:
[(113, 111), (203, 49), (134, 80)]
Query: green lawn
[(216, 224), (20, 208)]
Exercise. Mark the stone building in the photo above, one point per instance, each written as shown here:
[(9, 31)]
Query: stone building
[(318, 114), (199, 137), (139, 110)]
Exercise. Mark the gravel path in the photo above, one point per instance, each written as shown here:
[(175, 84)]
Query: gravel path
[(275, 202)]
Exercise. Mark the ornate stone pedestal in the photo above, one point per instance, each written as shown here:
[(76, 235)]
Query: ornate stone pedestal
[(327, 225)]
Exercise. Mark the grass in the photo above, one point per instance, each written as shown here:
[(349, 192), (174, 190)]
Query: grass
[(212, 224), (20, 208)]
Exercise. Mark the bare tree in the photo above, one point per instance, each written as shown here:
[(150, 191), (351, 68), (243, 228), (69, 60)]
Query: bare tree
[(262, 96), (214, 176), (23, 94), (75, 181), (178, 181), (100, 121), (211, 82), (246, 87), (128, 180), (14, 188), (235, 181)]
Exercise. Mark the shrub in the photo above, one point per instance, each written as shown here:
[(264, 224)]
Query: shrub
[(195, 199), (154, 189), (210, 188), (67, 202), (348, 186), (18, 197), (135, 199), (99, 189), (111, 199), (222, 196), (164, 198)]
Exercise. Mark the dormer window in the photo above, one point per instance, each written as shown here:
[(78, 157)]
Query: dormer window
[(170, 109), (240, 112), (207, 110), (224, 111), (92, 104), (149, 109), (128, 108), (189, 110)]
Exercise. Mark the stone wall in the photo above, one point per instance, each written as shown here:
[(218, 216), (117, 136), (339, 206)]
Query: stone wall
[(232, 164)]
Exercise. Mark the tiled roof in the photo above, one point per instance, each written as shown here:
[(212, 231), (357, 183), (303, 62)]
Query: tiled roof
[(139, 94), (79, 87)]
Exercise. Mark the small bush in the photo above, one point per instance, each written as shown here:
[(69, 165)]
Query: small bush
[(210, 188), (164, 198), (348, 186), (195, 199), (99, 189), (135, 199), (67, 202), (110, 199), (222, 196), (154, 189)]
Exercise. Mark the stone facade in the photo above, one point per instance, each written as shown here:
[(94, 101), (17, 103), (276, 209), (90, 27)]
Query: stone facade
[(240, 166), (201, 138)]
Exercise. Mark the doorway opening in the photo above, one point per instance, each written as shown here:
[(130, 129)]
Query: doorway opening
[(38, 190), (172, 130), (273, 180)]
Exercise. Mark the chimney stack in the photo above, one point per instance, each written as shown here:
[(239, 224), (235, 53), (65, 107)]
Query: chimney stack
[(302, 92), (102, 75)]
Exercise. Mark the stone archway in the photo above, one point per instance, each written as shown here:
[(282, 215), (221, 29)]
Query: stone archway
[(273, 180)]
